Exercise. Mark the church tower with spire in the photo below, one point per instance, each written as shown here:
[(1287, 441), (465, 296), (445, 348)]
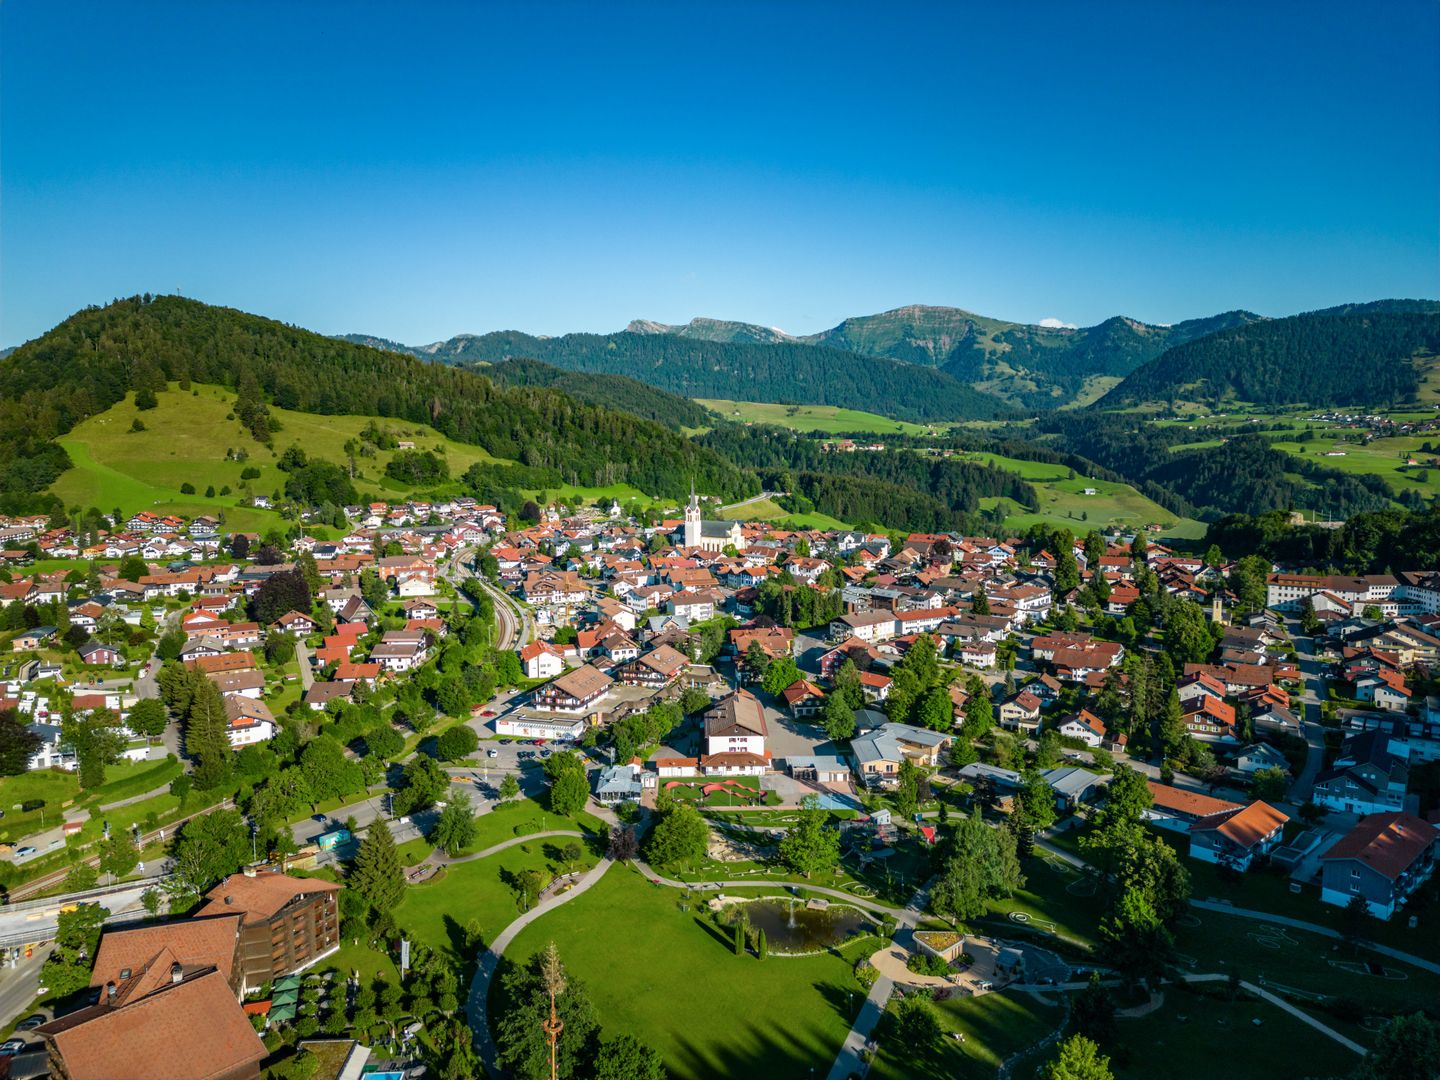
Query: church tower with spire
[(692, 519)]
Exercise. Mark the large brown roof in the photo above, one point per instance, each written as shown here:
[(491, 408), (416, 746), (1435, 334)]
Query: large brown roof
[(1190, 803), (1387, 843), (191, 943), (190, 1030), (260, 896), (738, 714), (582, 683), (1246, 826)]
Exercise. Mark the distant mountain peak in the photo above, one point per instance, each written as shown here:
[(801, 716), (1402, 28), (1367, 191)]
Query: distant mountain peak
[(702, 328)]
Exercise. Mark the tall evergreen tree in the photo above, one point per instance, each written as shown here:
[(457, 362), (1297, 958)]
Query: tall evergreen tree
[(207, 739), (376, 873)]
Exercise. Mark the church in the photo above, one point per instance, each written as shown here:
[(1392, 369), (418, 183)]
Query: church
[(708, 535)]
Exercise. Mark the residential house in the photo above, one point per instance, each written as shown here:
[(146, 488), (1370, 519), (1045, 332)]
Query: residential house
[(735, 732), (1085, 726), (1383, 859), (542, 660), (575, 691), (878, 753), (1236, 838), (1370, 776)]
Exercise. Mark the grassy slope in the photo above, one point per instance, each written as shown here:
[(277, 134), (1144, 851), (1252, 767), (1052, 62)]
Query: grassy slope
[(994, 1027), (1061, 501), (824, 418), (770, 510), (657, 972), (186, 439)]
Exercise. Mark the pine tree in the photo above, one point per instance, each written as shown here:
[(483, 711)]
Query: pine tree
[(762, 947), (206, 735), (376, 874), (739, 938)]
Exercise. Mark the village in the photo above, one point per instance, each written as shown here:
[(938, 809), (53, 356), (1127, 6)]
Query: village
[(784, 683)]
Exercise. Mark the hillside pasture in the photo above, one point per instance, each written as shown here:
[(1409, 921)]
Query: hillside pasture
[(827, 419)]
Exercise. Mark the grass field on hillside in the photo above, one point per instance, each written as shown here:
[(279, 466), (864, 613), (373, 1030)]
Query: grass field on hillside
[(186, 439), (1382, 457), (1063, 502), (770, 510), (829, 419)]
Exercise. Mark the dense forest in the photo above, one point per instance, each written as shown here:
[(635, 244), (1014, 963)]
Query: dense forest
[(90, 361), (786, 372), (852, 486), (1318, 359), (618, 392), (1368, 543)]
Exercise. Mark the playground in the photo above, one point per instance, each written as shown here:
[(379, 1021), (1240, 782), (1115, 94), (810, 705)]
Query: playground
[(731, 791)]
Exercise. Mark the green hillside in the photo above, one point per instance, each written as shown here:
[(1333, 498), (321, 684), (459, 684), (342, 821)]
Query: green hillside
[(98, 356), (609, 391), (824, 418), (187, 438), (1029, 365), (703, 329), (1319, 359)]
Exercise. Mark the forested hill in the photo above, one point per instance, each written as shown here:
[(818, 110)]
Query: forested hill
[(617, 392), (1317, 359), (89, 362), (1036, 366), (784, 372)]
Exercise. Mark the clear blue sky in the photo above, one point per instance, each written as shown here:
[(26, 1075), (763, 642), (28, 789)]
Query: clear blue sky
[(416, 170)]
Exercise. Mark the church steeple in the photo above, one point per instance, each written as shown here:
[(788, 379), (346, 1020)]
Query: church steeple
[(692, 518)]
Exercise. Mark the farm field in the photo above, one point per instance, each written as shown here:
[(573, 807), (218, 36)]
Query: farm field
[(1062, 501), (829, 419), (660, 965)]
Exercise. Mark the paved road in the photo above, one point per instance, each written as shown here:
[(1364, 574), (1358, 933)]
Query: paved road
[(1314, 692), (753, 499), (20, 984)]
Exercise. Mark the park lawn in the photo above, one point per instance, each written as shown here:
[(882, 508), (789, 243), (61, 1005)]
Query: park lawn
[(1062, 502), (436, 912), (994, 1026), (1185, 1038), (123, 780), (186, 439), (769, 510), (826, 419), (1056, 900), (662, 973), (523, 817), (1285, 959)]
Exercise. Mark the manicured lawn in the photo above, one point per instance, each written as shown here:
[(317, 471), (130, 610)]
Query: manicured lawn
[(435, 912), (1054, 902), (659, 973), (523, 817), (994, 1026), (828, 419), (123, 780), (1190, 1036)]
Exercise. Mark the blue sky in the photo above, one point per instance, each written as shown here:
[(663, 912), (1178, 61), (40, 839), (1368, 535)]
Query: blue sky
[(418, 170)]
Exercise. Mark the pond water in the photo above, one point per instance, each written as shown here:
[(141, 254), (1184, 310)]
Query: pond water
[(792, 927)]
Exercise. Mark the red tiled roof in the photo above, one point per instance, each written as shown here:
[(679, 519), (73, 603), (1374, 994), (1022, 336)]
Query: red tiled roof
[(1246, 826), (1387, 843)]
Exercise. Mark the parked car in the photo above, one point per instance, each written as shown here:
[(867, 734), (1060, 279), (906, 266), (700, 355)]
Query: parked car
[(31, 1022), (11, 1047), (492, 753), (24, 852)]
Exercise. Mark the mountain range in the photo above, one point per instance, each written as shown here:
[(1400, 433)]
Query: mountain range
[(985, 366)]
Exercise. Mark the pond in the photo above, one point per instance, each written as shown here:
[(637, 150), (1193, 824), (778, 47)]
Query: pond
[(792, 927)]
